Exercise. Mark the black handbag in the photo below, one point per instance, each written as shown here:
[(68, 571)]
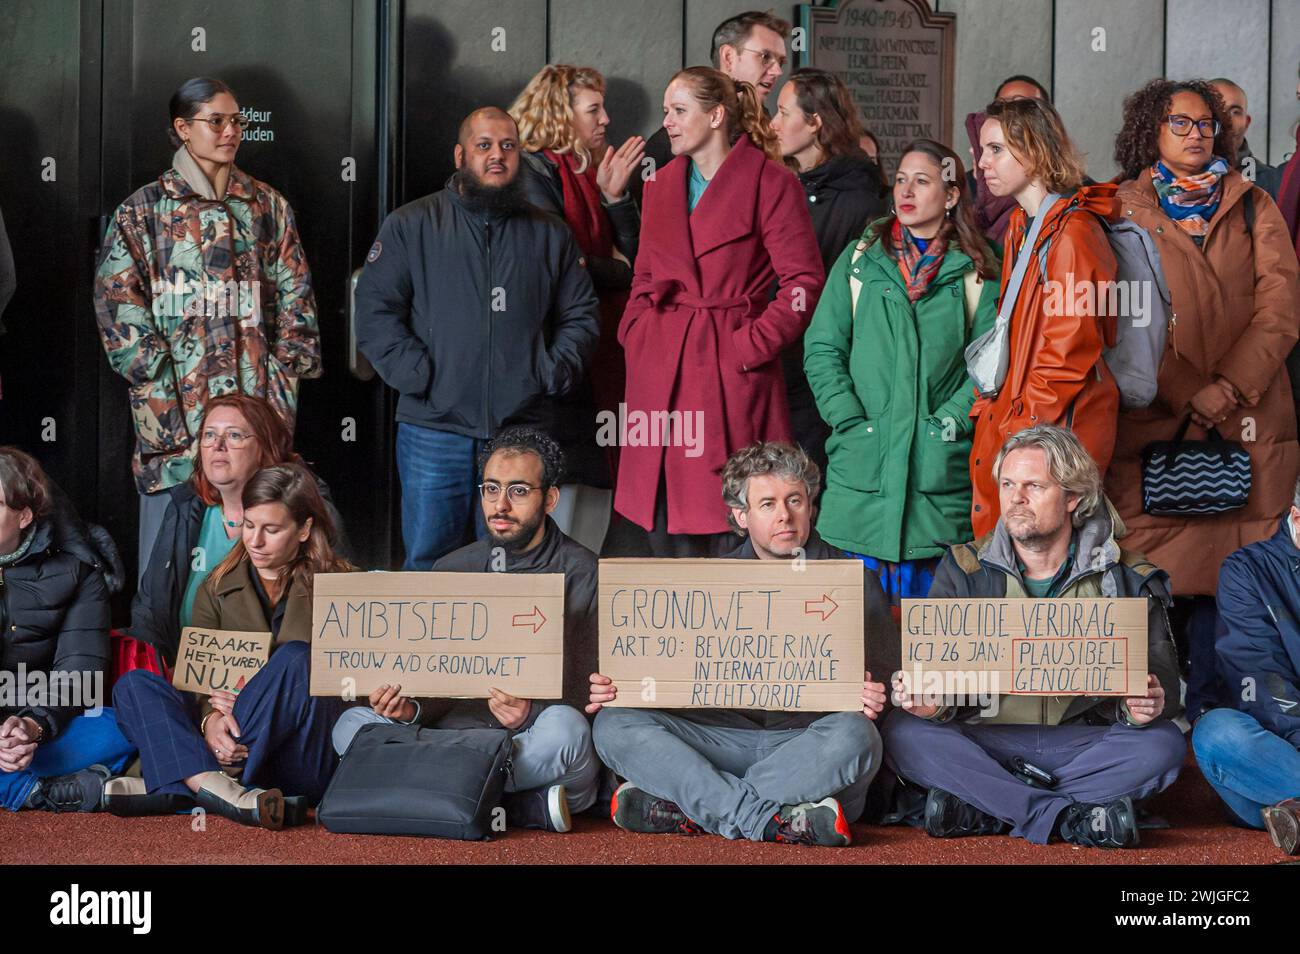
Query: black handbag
[(1183, 478), (400, 779)]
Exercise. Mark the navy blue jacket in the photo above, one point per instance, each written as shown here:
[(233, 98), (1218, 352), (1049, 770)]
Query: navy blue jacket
[(1259, 632), (475, 319)]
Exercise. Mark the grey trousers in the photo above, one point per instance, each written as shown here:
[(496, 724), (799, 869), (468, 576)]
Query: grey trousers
[(152, 509), (731, 781), (555, 750), (1093, 764)]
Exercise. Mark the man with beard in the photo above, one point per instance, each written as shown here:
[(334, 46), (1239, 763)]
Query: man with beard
[(477, 308), (1089, 758), (555, 770)]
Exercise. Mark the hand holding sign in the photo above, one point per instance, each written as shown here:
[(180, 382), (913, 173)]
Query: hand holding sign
[(389, 702), (912, 703), (603, 690), (509, 711), (1144, 709), (873, 697)]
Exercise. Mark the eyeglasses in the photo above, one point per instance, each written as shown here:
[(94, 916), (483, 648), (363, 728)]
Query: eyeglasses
[(767, 58), (517, 493), (234, 439), (218, 122), (1181, 125)]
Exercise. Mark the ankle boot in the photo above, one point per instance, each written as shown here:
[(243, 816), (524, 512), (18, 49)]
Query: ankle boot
[(259, 807), (127, 797)]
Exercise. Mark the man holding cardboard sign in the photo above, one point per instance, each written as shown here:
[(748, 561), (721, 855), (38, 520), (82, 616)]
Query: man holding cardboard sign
[(1063, 760), (555, 770), (785, 776)]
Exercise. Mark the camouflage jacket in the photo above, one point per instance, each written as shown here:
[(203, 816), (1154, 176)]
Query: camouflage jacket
[(197, 298)]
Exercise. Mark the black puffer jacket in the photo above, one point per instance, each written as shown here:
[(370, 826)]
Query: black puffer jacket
[(475, 318), (55, 616)]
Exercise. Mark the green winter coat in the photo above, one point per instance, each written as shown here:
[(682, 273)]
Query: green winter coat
[(891, 381)]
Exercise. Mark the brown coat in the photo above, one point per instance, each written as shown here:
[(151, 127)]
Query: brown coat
[(1234, 316), (233, 605), (1055, 374)]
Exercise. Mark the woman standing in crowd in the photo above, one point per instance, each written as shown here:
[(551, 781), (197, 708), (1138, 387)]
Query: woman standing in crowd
[(568, 168), (885, 356), (1055, 374), (723, 222), (273, 731), (53, 624), (239, 435), (202, 289), (1232, 274), (817, 127)]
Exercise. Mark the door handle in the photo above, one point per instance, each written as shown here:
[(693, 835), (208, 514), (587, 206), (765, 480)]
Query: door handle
[(359, 365)]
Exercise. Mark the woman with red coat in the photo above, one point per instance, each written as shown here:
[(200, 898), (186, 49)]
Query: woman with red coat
[(721, 224), (1055, 374)]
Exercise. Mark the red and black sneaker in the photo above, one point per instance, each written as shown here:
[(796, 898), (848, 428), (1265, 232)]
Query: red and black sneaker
[(634, 809), (811, 823)]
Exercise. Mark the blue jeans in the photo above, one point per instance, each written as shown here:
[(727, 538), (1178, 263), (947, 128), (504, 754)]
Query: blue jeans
[(1249, 766), (87, 741), (440, 501)]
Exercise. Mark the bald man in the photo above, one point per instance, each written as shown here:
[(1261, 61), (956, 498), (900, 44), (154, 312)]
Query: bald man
[(1265, 176), (477, 309)]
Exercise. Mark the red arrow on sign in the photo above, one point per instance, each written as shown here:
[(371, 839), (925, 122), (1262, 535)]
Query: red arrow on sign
[(819, 606), (535, 619)]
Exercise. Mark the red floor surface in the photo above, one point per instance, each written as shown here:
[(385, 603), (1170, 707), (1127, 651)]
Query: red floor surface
[(1199, 836)]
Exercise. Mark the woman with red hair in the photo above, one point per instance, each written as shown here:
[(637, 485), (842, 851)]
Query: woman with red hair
[(239, 436)]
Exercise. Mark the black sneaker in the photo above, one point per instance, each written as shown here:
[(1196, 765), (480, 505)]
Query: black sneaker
[(78, 792), (545, 808), (947, 816), (634, 809), (810, 823), (1112, 825)]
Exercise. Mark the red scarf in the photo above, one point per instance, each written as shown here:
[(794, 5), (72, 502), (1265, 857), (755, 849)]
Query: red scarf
[(582, 208)]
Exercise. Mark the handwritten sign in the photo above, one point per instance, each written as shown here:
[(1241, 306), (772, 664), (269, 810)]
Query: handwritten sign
[(449, 635), (212, 659), (733, 634), (1061, 647)]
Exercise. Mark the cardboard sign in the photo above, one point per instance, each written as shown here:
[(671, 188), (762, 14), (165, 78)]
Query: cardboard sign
[(450, 635), (733, 634), (212, 659), (1061, 647)]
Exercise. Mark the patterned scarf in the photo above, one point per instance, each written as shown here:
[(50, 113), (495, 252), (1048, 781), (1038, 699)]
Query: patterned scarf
[(1191, 201), (918, 268), (11, 558)]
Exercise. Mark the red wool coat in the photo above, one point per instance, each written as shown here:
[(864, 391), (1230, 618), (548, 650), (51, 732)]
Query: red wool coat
[(702, 332)]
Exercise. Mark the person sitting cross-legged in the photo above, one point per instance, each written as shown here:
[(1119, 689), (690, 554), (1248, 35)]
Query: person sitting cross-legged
[(1055, 538), (554, 770), (795, 777)]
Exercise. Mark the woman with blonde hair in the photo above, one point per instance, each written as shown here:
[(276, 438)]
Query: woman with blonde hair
[(272, 734), (724, 222), (570, 170), (1055, 373)]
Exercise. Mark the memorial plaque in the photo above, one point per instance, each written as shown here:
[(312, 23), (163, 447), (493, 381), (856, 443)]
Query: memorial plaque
[(896, 57)]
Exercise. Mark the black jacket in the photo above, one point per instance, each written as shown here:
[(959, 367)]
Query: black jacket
[(473, 318), (542, 186), (556, 553), (881, 646), (156, 607), (54, 604), (658, 149), (844, 197)]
